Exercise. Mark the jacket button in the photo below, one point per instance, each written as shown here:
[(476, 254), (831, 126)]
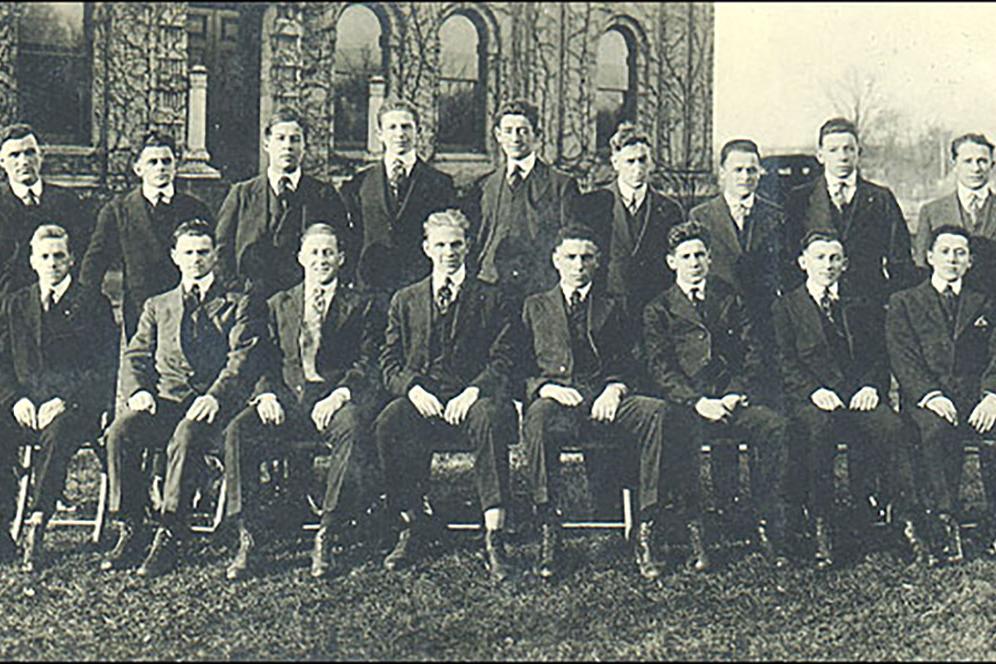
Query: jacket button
[(563, 369)]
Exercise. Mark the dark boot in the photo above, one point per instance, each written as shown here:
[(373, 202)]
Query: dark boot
[(546, 568), (496, 556), (645, 553), (921, 556), (162, 556), (239, 567), (125, 551), (824, 544), (952, 553), (699, 560), (403, 550), (33, 536), (322, 560)]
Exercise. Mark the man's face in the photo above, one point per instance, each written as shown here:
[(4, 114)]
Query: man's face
[(194, 255), (51, 260), (21, 158), (823, 262), (321, 259), (633, 164), (950, 257), (285, 146), (397, 132), (156, 166), (516, 136), (972, 165), (576, 261), (690, 261), (839, 154), (740, 174), (446, 247)]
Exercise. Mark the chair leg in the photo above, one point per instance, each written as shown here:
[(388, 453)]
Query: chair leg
[(627, 502), (219, 510), (98, 520), (23, 487)]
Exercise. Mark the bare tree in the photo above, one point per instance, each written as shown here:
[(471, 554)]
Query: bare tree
[(857, 95)]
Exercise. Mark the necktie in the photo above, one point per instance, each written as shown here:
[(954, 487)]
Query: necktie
[(284, 191), (444, 296), (740, 212), (838, 195), (49, 300), (515, 177), (574, 304), (826, 305), (974, 206), (30, 199), (697, 297), (950, 301), (632, 205), (396, 178), (318, 303)]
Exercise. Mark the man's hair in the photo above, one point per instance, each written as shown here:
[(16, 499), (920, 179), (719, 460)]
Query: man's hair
[(156, 139), (519, 107), (949, 229), (575, 232), (685, 231), (195, 227), (320, 228), (451, 218), (838, 126), (49, 232), (17, 131), (627, 134), (978, 139), (285, 115), (738, 145), (392, 105), (819, 235)]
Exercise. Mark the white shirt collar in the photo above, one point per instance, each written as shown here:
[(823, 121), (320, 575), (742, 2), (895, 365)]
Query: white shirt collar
[(274, 178), (687, 288), (329, 290), (851, 181), (151, 193), (22, 192), (456, 279), (407, 159), (58, 290), (733, 201), (628, 192), (525, 165), (965, 194), (816, 291), (584, 290), (939, 284), (204, 284)]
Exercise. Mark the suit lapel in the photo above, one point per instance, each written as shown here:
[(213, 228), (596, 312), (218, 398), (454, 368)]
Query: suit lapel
[(464, 301), (620, 216), (862, 198), (292, 311), (34, 313), (725, 226), (417, 172), (648, 211), (138, 210), (808, 316), (969, 305), (682, 306), (556, 310), (598, 311), (538, 182), (819, 206), (378, 180), (422, 315), (987, 216)]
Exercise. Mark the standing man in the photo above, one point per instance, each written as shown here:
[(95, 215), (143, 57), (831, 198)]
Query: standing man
[(447, 360), (942, 348), (136, 229), (184, 376), (26, 202), (261, 220), (633, 221), (580, 379), (390, 201), (322, 383), (523, 205), (971, 206), (865, 215), (57, 352)]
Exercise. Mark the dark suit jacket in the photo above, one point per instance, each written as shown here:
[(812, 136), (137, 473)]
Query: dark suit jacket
[(635, 269), (807, 359), (552, 198), (25, 371), (688, 359), (547, 341), (127, 234), (479, 351), (376, 222), (18, 222), (924, 355), (948, 210), (347, 355), (245, 240), (156, 361), (874, 232)]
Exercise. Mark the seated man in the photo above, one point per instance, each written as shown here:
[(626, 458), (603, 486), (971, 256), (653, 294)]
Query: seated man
[(579, 368), (831, 351), (701, 353), (322, 383), (446, 360), (184, 376), (943, 352), (57, 356)]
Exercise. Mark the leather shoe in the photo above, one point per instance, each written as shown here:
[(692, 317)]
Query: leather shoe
[(645, 553), (125, 550), (921, 555), (162, 555), (239, 567), (322, 560), (401, 554), (952, 552), (824, 544), (768, 549), (496, 556), (699, 560), (549, 543), (33, 534)]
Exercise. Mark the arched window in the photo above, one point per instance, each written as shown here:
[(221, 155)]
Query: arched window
[(462, 123), (54, 69), (359, 54), (615, 78)]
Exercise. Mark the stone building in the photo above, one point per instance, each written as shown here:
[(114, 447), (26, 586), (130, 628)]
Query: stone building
[(92, 77)]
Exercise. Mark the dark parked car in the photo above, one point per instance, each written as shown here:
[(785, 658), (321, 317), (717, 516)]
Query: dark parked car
[(783, 172)]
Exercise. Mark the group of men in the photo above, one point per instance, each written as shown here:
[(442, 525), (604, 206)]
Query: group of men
[(381, 324)]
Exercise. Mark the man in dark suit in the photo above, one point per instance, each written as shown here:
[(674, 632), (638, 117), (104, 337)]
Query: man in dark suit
[(447, 360), (832, 356), (390, 201), (581, 381), (632, 220), (135, 230), (971, 206), (57, 350), (321, 382), (261, 220), (865, 215), (26, 202), (702, 354), (184, 372), (943, 351), (523, 205)]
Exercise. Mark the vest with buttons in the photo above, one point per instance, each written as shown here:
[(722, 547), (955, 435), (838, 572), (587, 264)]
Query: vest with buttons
[(586, 365)]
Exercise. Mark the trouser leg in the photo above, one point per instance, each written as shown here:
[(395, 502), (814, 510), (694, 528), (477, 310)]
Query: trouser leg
[(546, 427), (879, 449), (643, 418), (812, 453), (767, 431), (349, 478), (248, 442), (190, 438), (131, 433), (942, 456), (58, 443), (490, 426), (401, 434)]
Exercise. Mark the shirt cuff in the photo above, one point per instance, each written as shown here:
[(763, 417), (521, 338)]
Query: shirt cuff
[(259, 397), (922, 403), (623, 390), (344, 391)]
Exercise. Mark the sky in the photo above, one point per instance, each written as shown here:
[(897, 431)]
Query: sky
[(774, 63)]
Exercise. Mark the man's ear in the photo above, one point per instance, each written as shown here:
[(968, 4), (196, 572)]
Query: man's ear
[(844, 266), (801, 260), (671, 262)]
